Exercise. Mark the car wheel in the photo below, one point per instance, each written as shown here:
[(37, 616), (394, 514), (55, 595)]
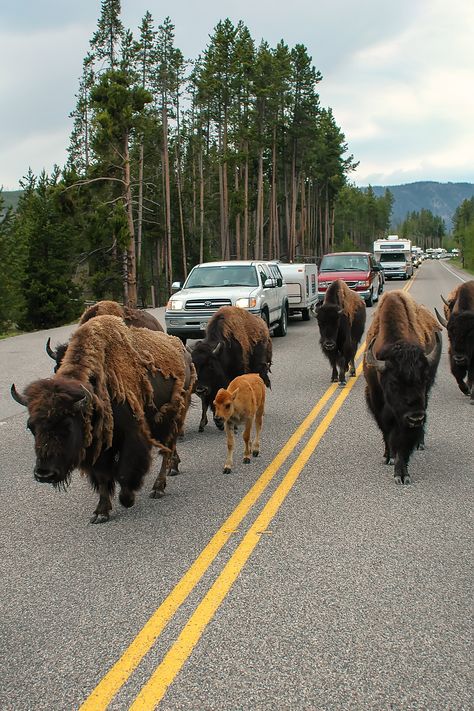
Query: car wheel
[(282, 326), (305, 314), (264, 315), (183, 339), (370, 300)]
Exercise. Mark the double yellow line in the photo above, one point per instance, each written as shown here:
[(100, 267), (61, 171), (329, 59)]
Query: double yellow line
[(154, 690)]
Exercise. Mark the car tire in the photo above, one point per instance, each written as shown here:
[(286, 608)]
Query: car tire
[(264, 316), (282, 325), (370, 300), (305, 314), (183, 339)]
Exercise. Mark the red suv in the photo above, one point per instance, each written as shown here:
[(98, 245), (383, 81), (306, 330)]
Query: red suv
[(359, 270)]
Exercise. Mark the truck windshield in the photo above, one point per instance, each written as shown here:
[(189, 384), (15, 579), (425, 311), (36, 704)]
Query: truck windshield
[(344, 263), (227, 275), (393, 257)]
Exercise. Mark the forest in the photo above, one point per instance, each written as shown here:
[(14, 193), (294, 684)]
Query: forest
[(172, 162)]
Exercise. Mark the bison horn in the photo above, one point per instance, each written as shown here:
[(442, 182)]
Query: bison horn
[(433, 355), (441, 319), (217, 348), (20, 399), (82, 402), (370, 359), (444, 301), (49, 350)]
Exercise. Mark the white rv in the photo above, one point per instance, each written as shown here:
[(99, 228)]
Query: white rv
[(302, 284), (394, 255)]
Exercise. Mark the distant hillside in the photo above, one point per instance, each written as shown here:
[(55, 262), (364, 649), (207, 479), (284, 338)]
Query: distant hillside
[(10, 198), (441, 198)]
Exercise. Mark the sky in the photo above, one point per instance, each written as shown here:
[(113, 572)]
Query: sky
[(398, 75)]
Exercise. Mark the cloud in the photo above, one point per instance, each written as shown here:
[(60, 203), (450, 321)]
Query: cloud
[(398, 76)]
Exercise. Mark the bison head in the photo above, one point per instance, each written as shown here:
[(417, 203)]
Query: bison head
[(328, 316), (56, 355), (461, 337), (406, 373), (56, 408), (209, 369)]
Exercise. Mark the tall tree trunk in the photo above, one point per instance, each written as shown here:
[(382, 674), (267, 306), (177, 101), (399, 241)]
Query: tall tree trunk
[(140, 207), (237, 217), (166, 173), (201, 208), (246, 203), (180, 207), (131, 269), (259, 211)]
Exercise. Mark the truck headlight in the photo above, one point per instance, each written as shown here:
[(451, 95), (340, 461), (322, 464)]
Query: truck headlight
[(246, 303), (324, 284), (363, 283), (175, 305)]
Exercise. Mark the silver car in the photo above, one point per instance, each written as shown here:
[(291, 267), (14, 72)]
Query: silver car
[(257, 286)]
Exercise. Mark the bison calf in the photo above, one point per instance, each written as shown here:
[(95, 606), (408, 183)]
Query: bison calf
[(243, 401)]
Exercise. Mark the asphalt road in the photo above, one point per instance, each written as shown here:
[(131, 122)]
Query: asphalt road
[(329, 587)]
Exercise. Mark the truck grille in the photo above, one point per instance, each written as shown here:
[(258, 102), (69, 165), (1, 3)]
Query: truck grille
[(206, 304), (351, 284)]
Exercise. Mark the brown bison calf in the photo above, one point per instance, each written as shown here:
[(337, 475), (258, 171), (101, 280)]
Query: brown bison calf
[(243, 401)]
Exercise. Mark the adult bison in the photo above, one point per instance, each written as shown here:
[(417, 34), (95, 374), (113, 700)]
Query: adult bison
[(118, 392), (459, 322), (341, 320), (131, 317), (400, 366), (236, 342)]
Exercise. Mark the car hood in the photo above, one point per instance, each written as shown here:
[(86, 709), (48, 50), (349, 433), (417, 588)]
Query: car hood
[(345, 276), (216, 292)]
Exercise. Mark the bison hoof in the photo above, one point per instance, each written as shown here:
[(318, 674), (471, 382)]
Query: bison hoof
[(389, 460), (201, 428), (246, 460), (173, 472), (227, 470), (156, 494), (255, 453), (342, 383), (334, 380), (100, 518), (352, 373), (421, 447), (219, 424), (400, 479)]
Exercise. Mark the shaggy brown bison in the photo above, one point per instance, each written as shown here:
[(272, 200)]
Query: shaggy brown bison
[(400, 366), (236, 342), (132, 317), (118, 392), (341, 320), (459, 322)]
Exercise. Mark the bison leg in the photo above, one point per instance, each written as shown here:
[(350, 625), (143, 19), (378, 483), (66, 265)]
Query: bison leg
[(342, 365), (203, 421), (247, 440), (258, 429), (334, 375), (229, 430), (106, 488), (400, 473), (159, 485), (352, 368), (174, 463)]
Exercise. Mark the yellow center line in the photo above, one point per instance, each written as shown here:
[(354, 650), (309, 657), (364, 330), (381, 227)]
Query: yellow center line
[(116, 677), (165, 673)]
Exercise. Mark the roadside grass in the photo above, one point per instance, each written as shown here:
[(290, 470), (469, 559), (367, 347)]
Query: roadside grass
[(458, 263)]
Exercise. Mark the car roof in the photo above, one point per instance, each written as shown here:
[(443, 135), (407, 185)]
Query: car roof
[(334, 254), (237, 263)]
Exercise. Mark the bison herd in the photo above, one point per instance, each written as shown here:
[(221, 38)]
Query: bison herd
[(122, 387)]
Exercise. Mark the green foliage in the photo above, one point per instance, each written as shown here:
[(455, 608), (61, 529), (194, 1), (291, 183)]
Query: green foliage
[(463, 232), (50, 296), (423, 228), (361, 217)]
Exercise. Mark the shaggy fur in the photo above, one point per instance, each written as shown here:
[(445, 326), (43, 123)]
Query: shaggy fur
[(400, 317), (132, 317), (459, 315), (232, 322), (339, 293), (118, 359)]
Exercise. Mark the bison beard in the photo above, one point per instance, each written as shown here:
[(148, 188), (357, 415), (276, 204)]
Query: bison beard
[(118, 392)]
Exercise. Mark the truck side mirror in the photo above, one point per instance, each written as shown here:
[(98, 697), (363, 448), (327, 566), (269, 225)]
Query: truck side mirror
[(176, 286), (269, 283)]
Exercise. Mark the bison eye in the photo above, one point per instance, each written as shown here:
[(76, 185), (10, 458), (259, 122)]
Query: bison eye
[(227, 406)]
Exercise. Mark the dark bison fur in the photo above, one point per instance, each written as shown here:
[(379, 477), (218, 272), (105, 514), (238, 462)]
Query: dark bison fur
[(236, 342), (460, 327)]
